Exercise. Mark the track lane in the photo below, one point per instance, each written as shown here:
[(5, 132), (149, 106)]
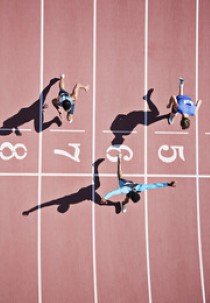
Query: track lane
[(172, 55), (19, 24), (121, 259), (67, 266)]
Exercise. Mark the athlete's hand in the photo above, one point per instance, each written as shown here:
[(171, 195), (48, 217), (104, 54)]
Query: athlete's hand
[(45, 106), (87, 87), (60, 114), (25, 213), (103, 201), (172, 184)]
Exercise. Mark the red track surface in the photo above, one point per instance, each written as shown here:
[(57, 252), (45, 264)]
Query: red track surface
[(73, 250)]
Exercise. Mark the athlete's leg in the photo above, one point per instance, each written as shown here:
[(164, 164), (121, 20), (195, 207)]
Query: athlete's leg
[(181, 86), (55, 103), (61, 82), (75, 92), (124, 207), (172, 104)]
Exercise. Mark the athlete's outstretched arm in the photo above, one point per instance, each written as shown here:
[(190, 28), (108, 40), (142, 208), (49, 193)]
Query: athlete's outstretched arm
[(111, 194), (55, 103), (119, 167), (69, 117), (143, 187)]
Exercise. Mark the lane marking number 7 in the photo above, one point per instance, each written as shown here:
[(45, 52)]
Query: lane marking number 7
[(74, 157)]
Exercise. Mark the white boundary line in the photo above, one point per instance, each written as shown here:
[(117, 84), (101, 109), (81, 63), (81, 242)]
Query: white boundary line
[(197, 162), (93, 150), (119, 131), (146, 215), (13, 174), (68, 130), (14, 129), (157, 176), (170, 133), (40, 152)]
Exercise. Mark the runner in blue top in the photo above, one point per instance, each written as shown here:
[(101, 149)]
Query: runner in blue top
[(67, 100), (184, 105), (131, 189)]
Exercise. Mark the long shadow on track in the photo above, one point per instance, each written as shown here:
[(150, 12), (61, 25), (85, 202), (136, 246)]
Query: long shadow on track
[(123, 124), (30, 113), (85, 193)]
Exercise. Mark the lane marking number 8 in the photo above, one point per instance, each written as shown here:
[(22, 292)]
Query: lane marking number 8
[(13, 151)]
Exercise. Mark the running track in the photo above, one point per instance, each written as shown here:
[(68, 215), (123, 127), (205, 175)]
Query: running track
[(72, 249)]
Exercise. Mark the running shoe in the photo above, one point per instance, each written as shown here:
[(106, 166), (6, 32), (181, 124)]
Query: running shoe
[(124, 208), (171, 120), (181, 81)]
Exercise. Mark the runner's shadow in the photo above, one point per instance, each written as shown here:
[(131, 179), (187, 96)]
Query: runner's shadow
[(30, 113), (123, 125), (86, 193)]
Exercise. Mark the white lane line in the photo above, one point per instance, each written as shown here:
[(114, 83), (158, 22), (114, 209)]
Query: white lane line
[(93, 150), (129, 175), (16, 129), (197, 161), (67, 175), (119, 131), (171, 133), (207, 133), (67, 130), (146, 215), (19, 174), (40, 152), (45, 174), (102, 175)]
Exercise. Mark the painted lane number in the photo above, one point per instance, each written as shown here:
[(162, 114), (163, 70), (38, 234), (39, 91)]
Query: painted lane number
[(111, 152), (74, 156), (177, 151), (18, 151)]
